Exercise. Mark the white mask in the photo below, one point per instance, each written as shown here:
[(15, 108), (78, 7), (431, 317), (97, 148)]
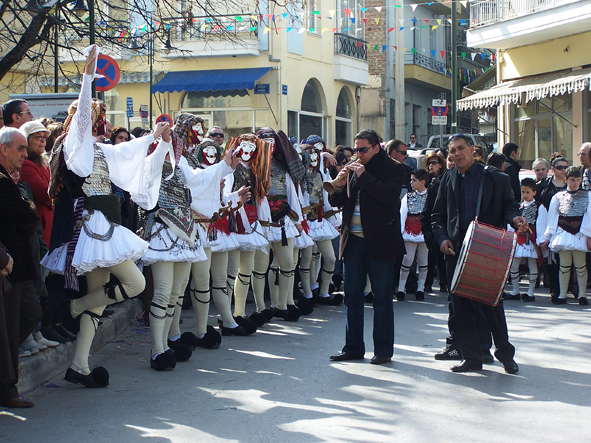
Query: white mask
[(319, 146), (314, 159), (209, 155), (246, 149), (271, 142), (198, 128)]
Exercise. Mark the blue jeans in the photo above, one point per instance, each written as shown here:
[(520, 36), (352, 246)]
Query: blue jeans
[(358, 264)]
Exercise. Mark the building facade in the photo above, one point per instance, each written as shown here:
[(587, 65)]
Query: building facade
[(543, 70)]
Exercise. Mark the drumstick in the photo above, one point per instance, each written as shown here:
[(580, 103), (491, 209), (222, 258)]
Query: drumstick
[(451, 251)]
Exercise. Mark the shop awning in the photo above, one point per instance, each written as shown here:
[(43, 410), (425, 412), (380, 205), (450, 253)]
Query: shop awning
[(212, 80), (526, 89)]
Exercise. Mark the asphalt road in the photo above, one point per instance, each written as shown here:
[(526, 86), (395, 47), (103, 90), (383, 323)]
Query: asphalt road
[(279, 386)]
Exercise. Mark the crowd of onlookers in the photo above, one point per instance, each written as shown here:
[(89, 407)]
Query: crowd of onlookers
[(35, 321)]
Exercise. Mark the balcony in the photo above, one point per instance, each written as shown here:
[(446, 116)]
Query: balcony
[(350, 60), (205, 38), (350, 46), (426, 72), (506, 24)]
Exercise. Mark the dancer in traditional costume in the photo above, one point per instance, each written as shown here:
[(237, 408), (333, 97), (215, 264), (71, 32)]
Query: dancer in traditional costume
[(87, 236), (243, 186), (283, 223)]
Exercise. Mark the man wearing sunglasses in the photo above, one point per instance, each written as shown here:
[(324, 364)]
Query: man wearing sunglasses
[(16, 113), (368, 191), (216, 134), (454, 209)]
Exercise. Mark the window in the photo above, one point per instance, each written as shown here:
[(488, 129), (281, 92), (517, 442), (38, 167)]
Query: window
[(343, 124), (311, 115), (543, 127), (313, 20), (344, 22)]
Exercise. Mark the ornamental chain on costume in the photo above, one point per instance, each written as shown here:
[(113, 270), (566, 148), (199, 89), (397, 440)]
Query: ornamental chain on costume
[(572, 204), (98, 182), (416, 202)]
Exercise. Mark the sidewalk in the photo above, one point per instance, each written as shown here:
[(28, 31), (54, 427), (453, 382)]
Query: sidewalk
[(43, 366)]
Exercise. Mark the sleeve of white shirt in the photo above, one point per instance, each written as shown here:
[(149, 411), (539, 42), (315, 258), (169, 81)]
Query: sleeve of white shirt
[(541, 225), (552, 219), (403, 213), (78, 144)]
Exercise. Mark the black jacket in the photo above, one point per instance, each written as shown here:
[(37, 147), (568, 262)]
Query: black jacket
[(18, 221), (379, 199), (512, 169), (498, 207)]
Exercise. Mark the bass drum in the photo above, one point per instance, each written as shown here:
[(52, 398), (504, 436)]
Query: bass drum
[(484, 263)]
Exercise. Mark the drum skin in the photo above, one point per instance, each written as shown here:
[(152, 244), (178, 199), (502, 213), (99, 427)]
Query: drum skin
[(484, 263)]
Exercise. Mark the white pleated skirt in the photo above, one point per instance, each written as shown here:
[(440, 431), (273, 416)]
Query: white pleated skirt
[(565, 241), (167, 247), (226, 242), (91, 253), (320, 231)]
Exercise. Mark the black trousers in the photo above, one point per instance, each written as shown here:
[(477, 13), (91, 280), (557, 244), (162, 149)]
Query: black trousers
[(22, 314), (466, 324)]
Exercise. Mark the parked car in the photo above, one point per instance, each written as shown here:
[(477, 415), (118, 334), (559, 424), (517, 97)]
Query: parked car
[(440, 141)]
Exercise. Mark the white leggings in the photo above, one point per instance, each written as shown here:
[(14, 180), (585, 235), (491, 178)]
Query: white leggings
[(422, 253), (307, 277), (567, 259), (94, 302), (532, 264), (170, 281), (201, 293), (282, 271)]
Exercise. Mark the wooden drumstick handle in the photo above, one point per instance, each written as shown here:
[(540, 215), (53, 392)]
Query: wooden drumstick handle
[(451, 251)]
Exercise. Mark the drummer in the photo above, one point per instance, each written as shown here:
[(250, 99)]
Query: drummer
[(455, 207)]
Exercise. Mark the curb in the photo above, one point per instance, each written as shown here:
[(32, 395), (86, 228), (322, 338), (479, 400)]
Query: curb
[(43, 366)]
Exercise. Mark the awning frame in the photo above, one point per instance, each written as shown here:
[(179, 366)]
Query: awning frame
[(526, 89)]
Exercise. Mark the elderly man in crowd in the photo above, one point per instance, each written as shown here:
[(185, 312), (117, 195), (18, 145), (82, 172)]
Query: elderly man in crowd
[(18, 220)]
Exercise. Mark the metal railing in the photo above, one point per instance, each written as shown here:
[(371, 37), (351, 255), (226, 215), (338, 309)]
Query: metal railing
[(350, 46), (426, 62), (203, 29), (491, 11)]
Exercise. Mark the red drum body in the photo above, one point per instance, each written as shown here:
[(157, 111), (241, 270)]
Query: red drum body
[(484, 263)]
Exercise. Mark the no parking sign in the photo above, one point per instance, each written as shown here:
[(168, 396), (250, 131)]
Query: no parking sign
[(108, 67), (164, 118)]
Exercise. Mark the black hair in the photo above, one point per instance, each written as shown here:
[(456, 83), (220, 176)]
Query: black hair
[(421, 175), (11, 107), (509, 148), (459, 136), (393, 145), (370, 135), (573, 171), (529, 183), (495, 159)]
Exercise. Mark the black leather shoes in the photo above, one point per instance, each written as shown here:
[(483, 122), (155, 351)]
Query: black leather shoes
[(380, 359), (511, 367), (449, 353), (345, 356), (486, 357), (467, 366)]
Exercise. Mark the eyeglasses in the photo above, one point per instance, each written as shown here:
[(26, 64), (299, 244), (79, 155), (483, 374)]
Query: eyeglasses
[(458, 135), (362, 150), (402, 152), (560, 167), (25, 112), (40, 137), (582, 154), (217, 134), (434, 162)]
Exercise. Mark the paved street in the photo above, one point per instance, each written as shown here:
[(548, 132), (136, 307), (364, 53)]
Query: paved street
[(279, 386)]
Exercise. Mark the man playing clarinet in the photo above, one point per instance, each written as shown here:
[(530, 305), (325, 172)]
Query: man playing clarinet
[(455, 207)]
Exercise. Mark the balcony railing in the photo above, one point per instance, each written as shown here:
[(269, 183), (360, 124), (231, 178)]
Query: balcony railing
[(204, 30), (492, 11), (350, 46), (426, 62)]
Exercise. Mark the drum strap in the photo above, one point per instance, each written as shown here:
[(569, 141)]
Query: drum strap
[(480, 193)]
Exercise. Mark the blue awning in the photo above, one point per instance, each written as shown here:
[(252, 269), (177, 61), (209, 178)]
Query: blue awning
[(213, 80)]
